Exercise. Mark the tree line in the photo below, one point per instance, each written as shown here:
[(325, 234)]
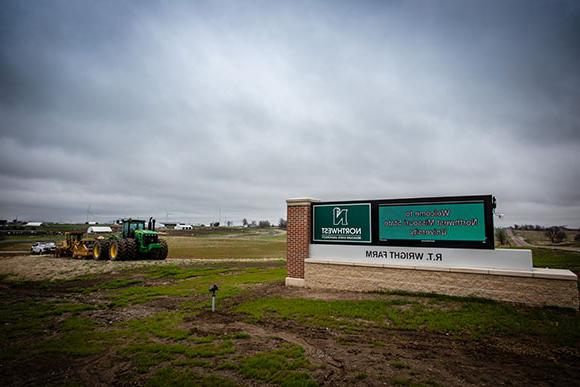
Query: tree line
[(264, 223)]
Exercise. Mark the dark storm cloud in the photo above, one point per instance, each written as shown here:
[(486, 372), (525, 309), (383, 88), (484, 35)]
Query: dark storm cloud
[(139, 108)]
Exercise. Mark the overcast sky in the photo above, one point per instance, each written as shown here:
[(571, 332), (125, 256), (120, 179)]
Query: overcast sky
[(181, 110)]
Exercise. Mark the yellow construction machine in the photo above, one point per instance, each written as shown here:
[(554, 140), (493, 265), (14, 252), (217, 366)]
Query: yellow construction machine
[(75, 246)]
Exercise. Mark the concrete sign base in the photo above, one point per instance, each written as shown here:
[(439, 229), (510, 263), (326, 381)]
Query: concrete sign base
[(539, 287), (506, 259)]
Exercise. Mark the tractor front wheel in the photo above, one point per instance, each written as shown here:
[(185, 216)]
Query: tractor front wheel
[(164, 250)]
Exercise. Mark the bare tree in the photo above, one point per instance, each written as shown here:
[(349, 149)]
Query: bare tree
[(556, 234), (501, 236)]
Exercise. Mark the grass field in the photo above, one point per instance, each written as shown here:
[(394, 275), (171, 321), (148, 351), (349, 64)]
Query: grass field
[(233, 245), (152, 326), (556, 259)]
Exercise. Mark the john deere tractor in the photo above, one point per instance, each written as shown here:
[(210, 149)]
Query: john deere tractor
[(136, 242)]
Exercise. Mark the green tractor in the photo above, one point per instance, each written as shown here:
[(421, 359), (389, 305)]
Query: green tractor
[(136, 242)]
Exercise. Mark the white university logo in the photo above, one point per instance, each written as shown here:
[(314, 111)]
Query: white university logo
[(339, 217)]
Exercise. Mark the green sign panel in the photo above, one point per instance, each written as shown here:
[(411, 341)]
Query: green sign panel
[(432, 221), (342, 222)]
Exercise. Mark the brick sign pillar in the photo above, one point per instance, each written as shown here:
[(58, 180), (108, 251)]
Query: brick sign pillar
[(298, 239)]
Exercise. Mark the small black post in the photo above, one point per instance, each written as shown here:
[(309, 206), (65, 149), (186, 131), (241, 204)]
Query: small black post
[(213, 290)]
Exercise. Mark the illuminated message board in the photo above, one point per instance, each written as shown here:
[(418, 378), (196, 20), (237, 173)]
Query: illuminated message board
[(440, 221), (453, 221)]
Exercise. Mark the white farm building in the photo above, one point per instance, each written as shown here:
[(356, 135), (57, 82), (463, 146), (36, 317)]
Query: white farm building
[(180, 226), (98, 229)]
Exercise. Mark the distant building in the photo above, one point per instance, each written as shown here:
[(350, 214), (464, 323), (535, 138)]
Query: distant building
[(99, 229), (183, 227), (33, 224)]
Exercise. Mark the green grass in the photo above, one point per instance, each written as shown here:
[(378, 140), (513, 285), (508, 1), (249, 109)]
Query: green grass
[(470, 319), (21, 319), (286, 366), (179, 272), (163, 325), (117, 284), (556, 259), (79, 337), (228, 281), (201, 350), (232, 247), (150, 354)]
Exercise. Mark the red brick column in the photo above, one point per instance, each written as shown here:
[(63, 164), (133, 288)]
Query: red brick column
[(298, 239)]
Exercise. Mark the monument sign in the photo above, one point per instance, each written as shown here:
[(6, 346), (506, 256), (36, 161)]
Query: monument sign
[(443, 245)]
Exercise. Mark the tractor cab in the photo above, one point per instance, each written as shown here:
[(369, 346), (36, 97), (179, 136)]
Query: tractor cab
[(130, 226), (135, 229)]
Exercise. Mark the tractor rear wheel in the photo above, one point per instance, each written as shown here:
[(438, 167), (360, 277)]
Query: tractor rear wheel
[(131, 248), (101, 250), (118, 250)]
